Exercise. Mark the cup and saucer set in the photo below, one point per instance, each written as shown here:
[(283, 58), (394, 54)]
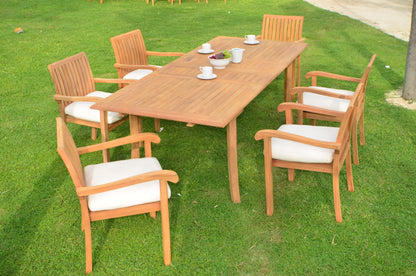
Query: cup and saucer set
[(206, 73), (251, 40), (206, 49)]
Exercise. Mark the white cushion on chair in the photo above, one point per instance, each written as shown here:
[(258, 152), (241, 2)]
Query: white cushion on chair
[(82, 110), (124, 197), (327, 102), (297, 152), (139, 74)]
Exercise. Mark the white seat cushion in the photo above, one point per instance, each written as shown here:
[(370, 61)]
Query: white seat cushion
[(139, 74), (124, 197), (82, 110), (297, 152), (327, 102)]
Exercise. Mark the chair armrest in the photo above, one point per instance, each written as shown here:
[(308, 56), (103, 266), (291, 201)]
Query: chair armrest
[(298, 90), (76, 98), (112, 80), (173, 54), (133, 67), (314, 74), (270, 133), (289, 106), (163, 175), (146, 137)]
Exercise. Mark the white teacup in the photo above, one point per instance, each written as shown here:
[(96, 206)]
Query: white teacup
[(237, 55), (206, 47), (206, 71), (250, 38)]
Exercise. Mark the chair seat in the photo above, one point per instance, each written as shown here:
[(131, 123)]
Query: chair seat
[(142, 193), (82, 110), (297, 152), (327, 102), (138, 74)]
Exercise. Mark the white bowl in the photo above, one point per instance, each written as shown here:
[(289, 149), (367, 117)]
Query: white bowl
[(219, 63)]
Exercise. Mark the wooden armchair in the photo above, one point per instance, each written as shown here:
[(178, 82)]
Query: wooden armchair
[(283, 28), (312, 148), (335, 99), (131, 58), (119, 188), (75, 94)]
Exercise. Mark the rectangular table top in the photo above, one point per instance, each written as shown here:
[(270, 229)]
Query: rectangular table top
[(175, 93)]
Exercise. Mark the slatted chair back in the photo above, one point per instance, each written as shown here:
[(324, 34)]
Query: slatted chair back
[(72, 76), (364, 79), (69, 154), (282, 27), (129, 48)]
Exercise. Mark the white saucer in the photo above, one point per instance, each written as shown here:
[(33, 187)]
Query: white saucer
[(206, 52), (202, 77), (252, 43)]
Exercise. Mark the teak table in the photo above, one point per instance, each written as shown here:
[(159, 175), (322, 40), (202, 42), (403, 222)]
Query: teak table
[(175, 93)]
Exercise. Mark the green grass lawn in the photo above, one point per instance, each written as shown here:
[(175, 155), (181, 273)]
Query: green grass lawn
[(40, 220)]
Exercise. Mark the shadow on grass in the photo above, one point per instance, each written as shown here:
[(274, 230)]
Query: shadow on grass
[(23, 225), (19, 232)]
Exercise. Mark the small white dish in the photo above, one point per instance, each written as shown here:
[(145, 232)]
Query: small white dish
[(252, 43), (203, 77), (205, 52)]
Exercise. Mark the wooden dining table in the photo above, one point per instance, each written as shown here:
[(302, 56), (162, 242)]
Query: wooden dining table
[(175, 93)]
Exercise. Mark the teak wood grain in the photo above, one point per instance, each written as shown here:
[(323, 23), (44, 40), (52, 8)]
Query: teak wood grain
[(175, 93)]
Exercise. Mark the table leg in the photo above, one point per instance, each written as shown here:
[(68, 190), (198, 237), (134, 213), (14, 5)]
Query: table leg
[(289, 80), (104, 134), (232, 160), (136, 127)]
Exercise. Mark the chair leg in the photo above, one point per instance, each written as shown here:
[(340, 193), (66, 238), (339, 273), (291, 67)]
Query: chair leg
[(348, 165), (362, 136), (354, 138), (298, 72), (291, 174), (300, 117), (164, 211), (104, 134), (313, 122), (268, 174), (157, 125), (88, 248), (152, 214), (93, 133), (269, 190), (337, 200)]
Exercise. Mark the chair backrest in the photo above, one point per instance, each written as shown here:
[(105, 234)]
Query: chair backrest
[(282, 27), (364, 78), (69, 153), (72, 76), (129, 48), (344, 134)]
